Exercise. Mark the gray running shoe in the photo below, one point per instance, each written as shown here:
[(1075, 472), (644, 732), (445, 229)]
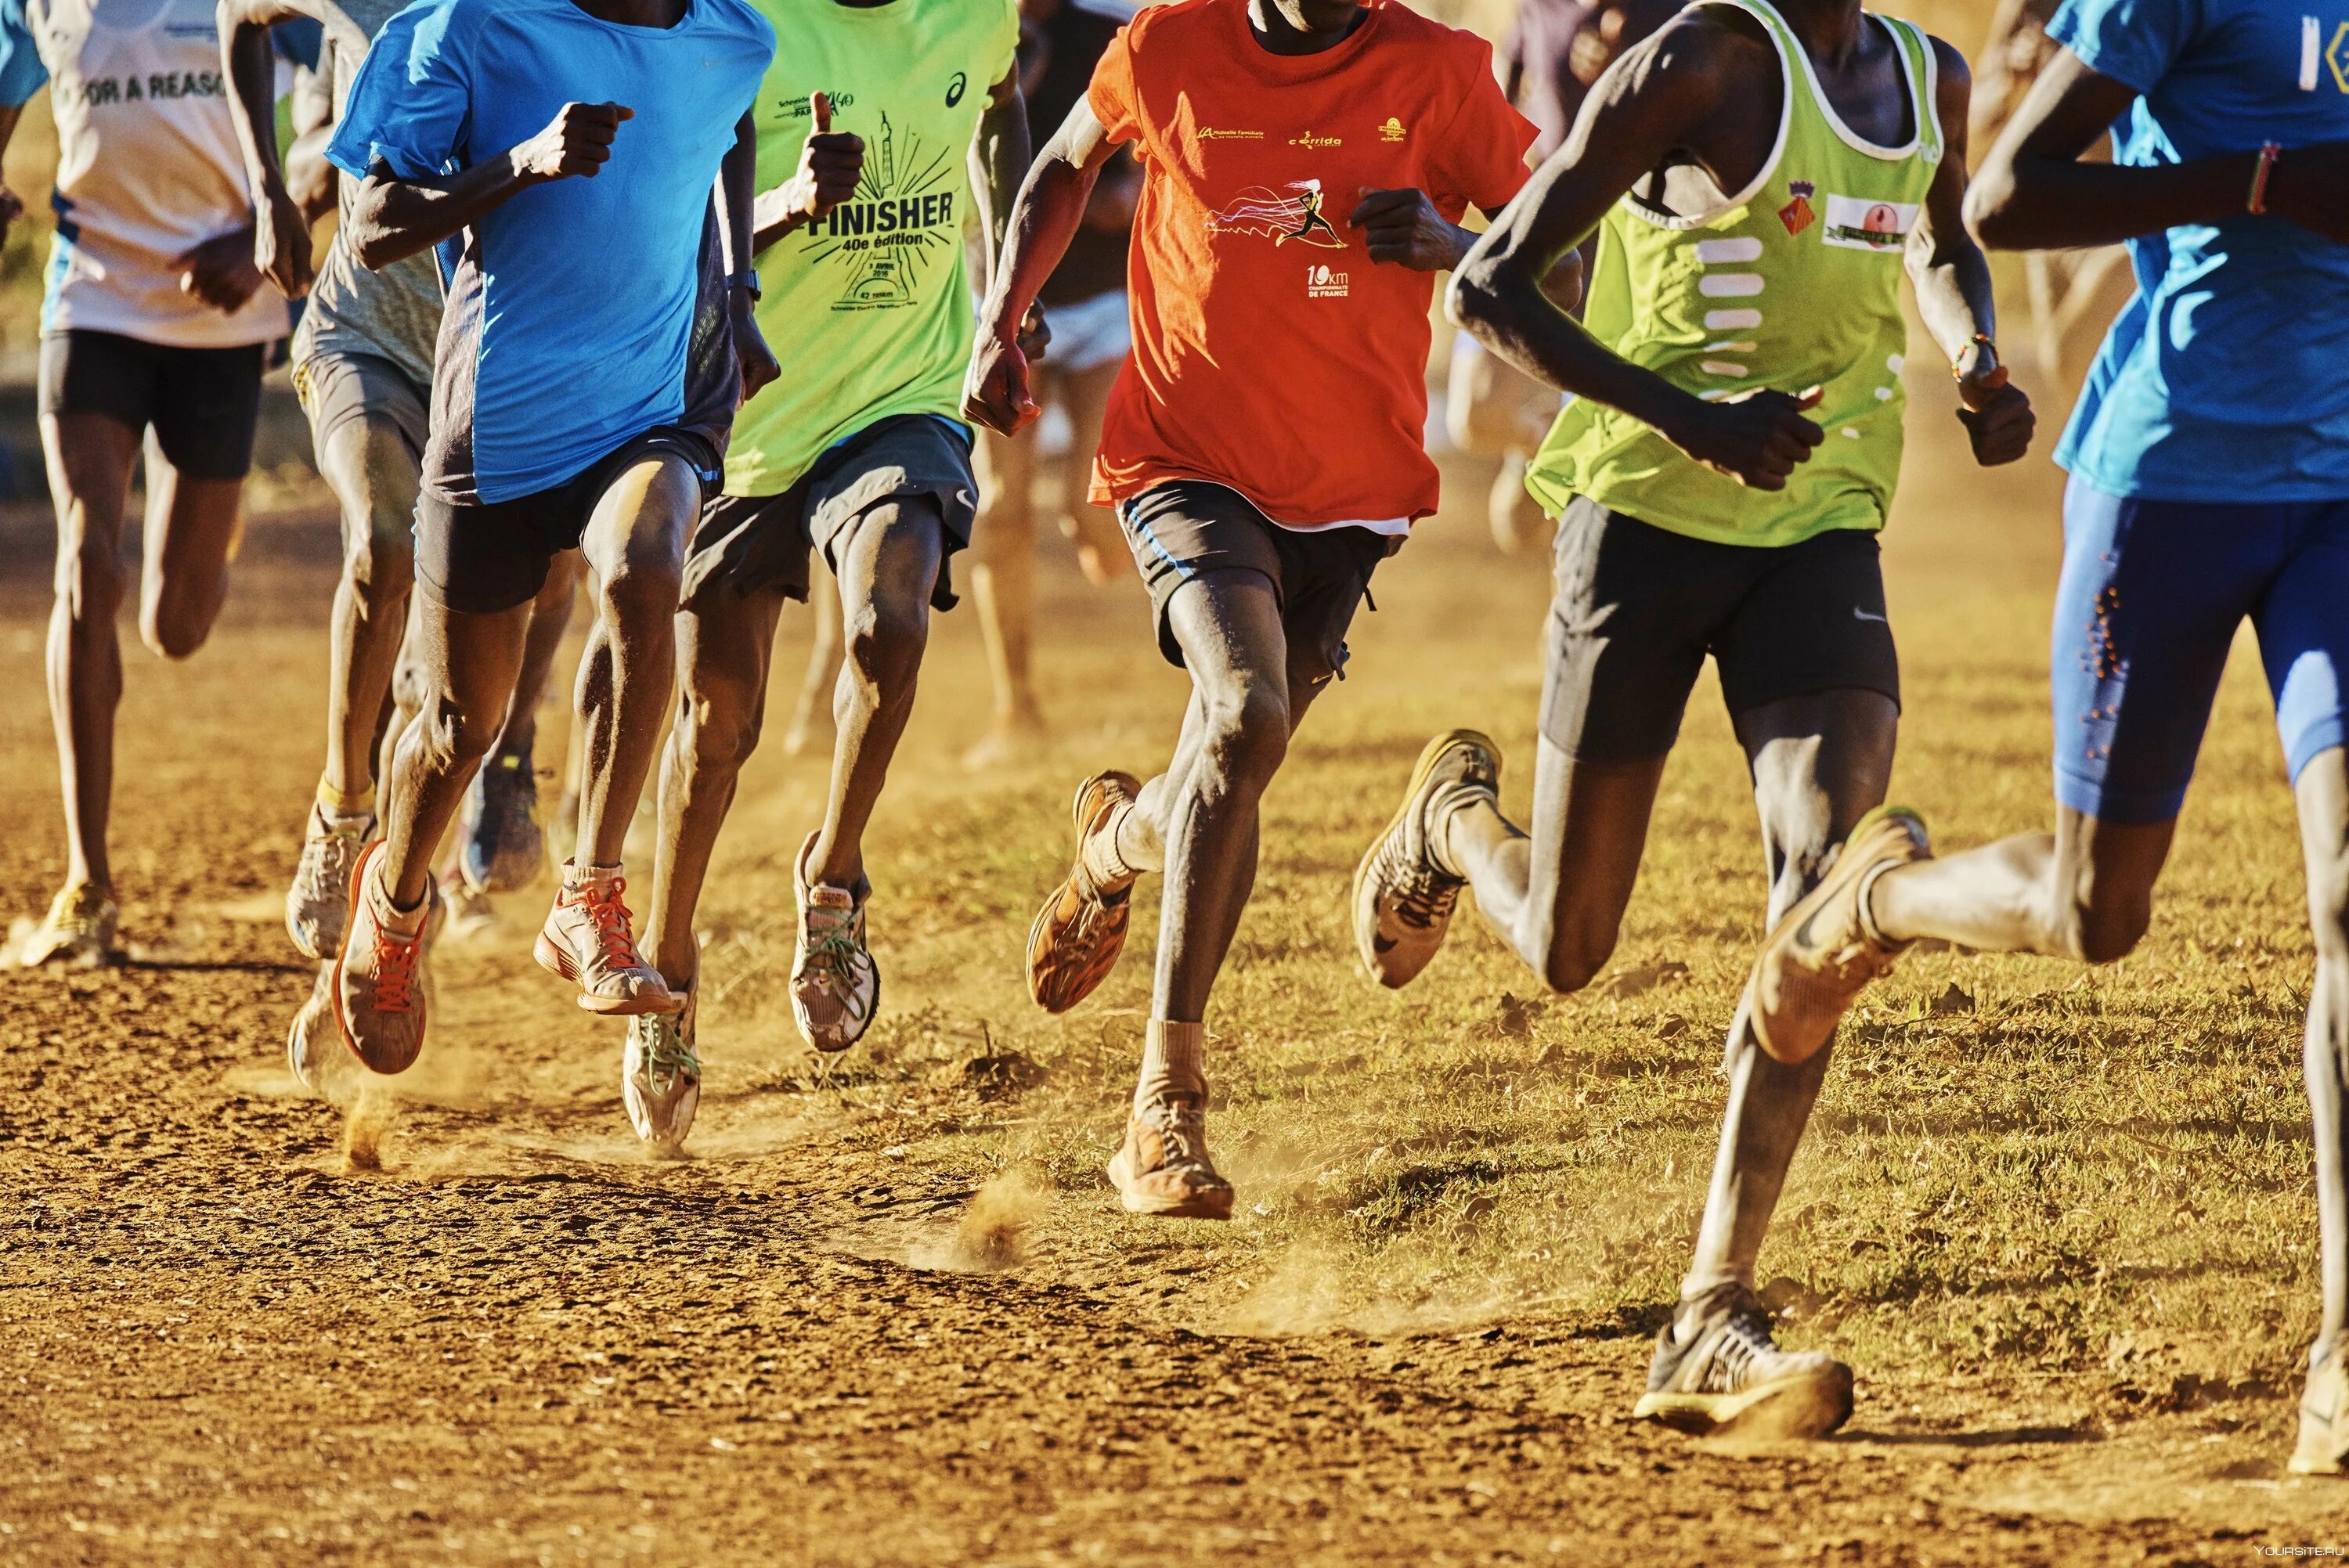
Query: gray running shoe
[(318, 903), (1731, 1373), (1402, 899), (2323, 1448), (835, 985), (79, 931), (1162, 1168), (660, 1076), (504, 847)]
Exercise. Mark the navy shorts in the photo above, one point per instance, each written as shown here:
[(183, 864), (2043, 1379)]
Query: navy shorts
[(2151, 596)]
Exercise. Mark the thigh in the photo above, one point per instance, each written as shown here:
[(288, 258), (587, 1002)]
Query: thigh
[(2302, 622), (1229, 626), (1813, 621), (368, 425), (891, 554), (480, 559), (725, 647), (1634, 610), (747, 546), (90, 457), (207, 407), (919, 463), (1186, 532), (193, 525), (2146, 611), (642, 517), (1819, 762)]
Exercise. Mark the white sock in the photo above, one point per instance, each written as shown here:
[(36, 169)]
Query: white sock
[(1446, 805), (576, 875), (1100, 853), (1170, 1063)]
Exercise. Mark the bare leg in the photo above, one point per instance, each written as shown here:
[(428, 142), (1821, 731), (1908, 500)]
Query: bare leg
[(1101, 552), (886, 576), (1003, 588), (2323, 791), (2085, 892), (635, 546), (1819, 764), (467, 665), (192, 527), (373, 472), (89, 459), (811, 715), (550, 620), (726, 644)]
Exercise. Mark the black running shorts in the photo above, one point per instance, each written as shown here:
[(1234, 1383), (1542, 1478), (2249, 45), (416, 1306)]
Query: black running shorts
[(203, 403), (338, 389), (480, 559), (751, 544), (1638, 608), (1184, 529)]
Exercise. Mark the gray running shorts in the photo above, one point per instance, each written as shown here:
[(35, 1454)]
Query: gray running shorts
[(337, 389)]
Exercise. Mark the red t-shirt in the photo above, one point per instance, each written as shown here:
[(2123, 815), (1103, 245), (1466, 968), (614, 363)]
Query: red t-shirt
[(1270, 354)]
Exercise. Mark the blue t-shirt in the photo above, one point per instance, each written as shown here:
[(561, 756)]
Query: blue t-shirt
[(573, 306), (2227, 378)]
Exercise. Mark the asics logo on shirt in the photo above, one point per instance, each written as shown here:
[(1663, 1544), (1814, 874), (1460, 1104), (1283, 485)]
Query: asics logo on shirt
[(956, 88)]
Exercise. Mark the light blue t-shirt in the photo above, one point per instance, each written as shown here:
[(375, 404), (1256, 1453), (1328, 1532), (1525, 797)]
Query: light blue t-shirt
[(572, 307), (2227, 378)]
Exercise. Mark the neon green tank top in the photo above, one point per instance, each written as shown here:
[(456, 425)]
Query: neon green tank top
[(1792, 283)]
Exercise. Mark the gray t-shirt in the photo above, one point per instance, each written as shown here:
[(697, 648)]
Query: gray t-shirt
[(392, 315)]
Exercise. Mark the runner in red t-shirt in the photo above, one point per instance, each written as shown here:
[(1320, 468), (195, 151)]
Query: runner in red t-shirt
[(1305, 165)]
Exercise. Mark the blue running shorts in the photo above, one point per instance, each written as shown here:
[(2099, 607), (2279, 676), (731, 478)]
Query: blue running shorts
[(2151, 595)]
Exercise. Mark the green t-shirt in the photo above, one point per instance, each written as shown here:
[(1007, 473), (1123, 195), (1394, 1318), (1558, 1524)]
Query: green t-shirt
[(869, 310)]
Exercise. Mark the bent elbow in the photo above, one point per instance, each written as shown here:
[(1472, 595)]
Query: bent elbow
[(1469, 300), (1990, 212)]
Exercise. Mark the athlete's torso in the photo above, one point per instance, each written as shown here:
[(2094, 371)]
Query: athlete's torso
[(394, 313), (2227, 378), (1789, 282), (148, 167), (870, 308)]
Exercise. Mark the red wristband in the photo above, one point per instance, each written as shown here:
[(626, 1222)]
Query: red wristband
[(2269, 152)]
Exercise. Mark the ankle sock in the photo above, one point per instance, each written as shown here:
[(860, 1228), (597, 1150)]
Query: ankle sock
[(1100, 853), (1170, 1063), (576, 875), (342, 806)]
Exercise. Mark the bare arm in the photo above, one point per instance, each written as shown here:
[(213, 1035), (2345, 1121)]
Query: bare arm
[(831, 166), (281, 232), (2035, 193), (393, 219), (737, 181), (1649, 107), (1000, 157), (1042, 222), (12, 206), (1952, 277)]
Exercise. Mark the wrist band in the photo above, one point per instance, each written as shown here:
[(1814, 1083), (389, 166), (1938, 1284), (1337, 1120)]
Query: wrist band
[(2269, 152), (1981, 337)]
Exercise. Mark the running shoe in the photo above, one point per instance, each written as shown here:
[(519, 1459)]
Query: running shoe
[(1162, 1168), (380, 987), (318, 903), (588, 939), (473, 916), (1731, 1373), (835, 985), (1077, 936), (1402, 899), (2323, 1448), (79, 931), (660, 1076), (503, 846), (1814, 964)]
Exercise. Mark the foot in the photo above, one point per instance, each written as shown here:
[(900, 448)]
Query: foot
[(1163, 1170), (79, 931), (835, 985), (1729, 1374), (318, 903), (471, 916), (1018, 737), (379, 985), (503, 846), (314, 1051), (1078, 935), (589, 940), (1402, 898), (2323, 1448), (1814, 964), (660, 1077)]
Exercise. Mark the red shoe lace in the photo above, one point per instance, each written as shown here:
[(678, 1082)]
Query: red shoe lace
[(394, 971), (610, 917)]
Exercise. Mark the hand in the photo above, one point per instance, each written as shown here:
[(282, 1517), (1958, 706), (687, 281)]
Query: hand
[(2310, 185), (750, 350), (12, 207), (1403, 227), (577, 141), (220, 271), (995, 392), (1035, 333), (1755, 438), (1995, 412), (832, 165), (281, 243)]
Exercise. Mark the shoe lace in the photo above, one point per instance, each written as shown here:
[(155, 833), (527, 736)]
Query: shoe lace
[(77, 910), (833, 947), (394, 971), (669, 1056), (1182, 1134), (1742, 1344), (615, 941), (1424, 896)]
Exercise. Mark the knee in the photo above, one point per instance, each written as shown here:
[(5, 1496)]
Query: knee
[(173, 631), (454, 737), (644, 592), (724, 729), (1247, 734), (1575, 957), (885, 642), (2328, 906), (380, 564)]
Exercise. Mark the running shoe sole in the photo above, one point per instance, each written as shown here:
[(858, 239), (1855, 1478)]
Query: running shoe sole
[(1849, 869), (1788, 1407), (1429, 754), (1211, 1205), (555, 961), (1059, 991)]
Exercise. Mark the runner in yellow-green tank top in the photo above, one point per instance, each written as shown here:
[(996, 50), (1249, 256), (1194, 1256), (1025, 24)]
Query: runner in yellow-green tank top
[(1759, 176)]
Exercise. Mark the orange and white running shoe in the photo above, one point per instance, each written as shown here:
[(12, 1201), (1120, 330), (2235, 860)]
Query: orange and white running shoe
[(1163, 1170), (380, 990), (588, 939), (1077, 936), (1819, 958)]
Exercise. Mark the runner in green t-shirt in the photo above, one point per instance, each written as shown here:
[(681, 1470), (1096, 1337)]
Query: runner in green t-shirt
[(869, 118)]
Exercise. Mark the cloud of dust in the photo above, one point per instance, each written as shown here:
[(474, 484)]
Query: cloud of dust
[(1315, 1288), (993, 1234), (373, 1113)]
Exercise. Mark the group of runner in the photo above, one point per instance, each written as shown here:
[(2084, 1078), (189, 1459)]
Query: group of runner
[(539, 346)]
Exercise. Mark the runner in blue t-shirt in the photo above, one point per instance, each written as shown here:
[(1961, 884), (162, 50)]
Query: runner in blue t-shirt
[(2210, 463), (566, 156)]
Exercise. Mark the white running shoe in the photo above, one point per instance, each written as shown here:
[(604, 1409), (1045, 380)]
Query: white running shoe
[(1162, 1168), (588, 939), (660, 1076), (1402, 899), (835, 985), (1730, 1372), (318, 903), (79, 931), (2324, 1445)]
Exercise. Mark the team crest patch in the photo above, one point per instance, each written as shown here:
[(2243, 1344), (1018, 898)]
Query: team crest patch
[(1797, 215), (1857, 223)]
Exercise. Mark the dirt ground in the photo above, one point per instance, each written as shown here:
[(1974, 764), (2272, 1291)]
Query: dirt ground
[(890, 1313)]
